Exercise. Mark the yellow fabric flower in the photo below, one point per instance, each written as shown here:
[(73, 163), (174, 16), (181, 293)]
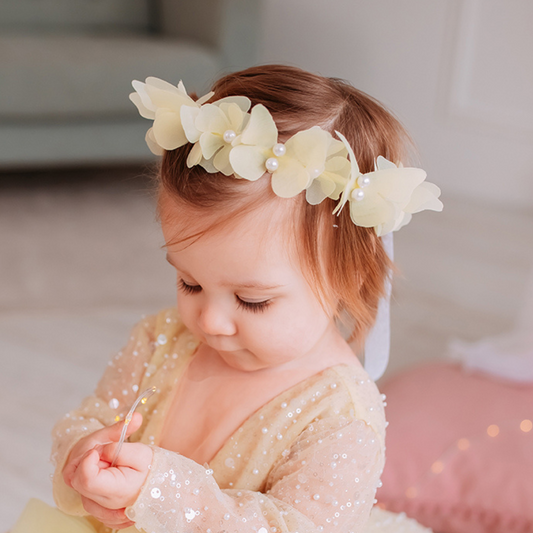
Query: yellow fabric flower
[(333, 179), (294, 165), (229, 138), (386, 198), (215, 129), (256, 142), (161, 102)]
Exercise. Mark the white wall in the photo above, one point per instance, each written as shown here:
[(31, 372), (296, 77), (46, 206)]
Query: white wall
[(458, 73)]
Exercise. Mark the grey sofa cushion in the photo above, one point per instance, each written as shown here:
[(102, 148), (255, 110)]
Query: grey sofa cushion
[(74, 15), (75, 77)]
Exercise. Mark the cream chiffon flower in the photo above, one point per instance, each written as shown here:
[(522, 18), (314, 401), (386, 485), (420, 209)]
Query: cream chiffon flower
[(295, 165), (215, 129), (161, 102), (230, 138), (331, 182), (386, 198), (249, 158)]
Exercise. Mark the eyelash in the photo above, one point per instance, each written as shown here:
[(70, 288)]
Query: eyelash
[(254, 307), (189, 289)]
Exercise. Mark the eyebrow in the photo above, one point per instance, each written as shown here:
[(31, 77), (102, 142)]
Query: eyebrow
[(247, 285), (253, 285)]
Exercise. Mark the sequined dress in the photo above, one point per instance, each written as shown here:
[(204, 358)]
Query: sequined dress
[(308, 461)]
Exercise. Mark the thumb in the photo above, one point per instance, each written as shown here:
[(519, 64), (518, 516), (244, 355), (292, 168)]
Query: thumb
[(134, 425), (112, 433)]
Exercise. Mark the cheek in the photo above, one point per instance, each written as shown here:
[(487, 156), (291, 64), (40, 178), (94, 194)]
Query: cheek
[(285, 333), (187, 310)]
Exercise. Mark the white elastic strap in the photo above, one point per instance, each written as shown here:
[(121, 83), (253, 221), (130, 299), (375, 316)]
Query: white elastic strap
[(377, 344)]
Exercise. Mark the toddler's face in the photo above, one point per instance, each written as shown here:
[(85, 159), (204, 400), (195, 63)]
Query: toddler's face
[(241, 290)]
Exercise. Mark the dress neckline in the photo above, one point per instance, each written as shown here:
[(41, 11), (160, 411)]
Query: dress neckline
[(257, 413)]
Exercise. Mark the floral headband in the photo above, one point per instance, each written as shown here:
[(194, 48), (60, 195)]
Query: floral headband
[(230, 138)]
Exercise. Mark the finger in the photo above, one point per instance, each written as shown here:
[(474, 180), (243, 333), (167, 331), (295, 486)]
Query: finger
[(87, 479), (112, 433), (135, 423), (132, 455), (98, 438), (102, 436), (68, 472), (115, 518), (122, 525), (108, 487)]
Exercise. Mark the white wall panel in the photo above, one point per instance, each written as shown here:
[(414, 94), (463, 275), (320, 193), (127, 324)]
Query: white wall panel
[(458, 73), (492, 81)]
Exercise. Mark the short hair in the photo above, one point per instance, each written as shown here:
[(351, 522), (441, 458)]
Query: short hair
[(345, 264)]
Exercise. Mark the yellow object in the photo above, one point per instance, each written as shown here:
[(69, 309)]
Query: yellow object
[(39, 517), (229, 137)]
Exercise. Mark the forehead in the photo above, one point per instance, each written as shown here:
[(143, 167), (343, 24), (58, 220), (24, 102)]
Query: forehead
[(257, 240)]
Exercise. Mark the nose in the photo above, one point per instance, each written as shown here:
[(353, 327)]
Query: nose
[(214, 320)]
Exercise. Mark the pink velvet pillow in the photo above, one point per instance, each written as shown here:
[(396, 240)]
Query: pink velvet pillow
[(459, 451)]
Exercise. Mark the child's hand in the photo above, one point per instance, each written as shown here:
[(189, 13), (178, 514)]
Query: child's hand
[(112, 487), (111, 518), (102, 436)]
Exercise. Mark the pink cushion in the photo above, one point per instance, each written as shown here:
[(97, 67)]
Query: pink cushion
[(459, 451)]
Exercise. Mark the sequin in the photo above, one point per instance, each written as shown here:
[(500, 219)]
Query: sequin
[(114, 403), (289, 450), (161, 339)]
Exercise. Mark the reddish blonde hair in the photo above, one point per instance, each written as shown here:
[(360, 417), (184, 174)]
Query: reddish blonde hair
[(345, 263)]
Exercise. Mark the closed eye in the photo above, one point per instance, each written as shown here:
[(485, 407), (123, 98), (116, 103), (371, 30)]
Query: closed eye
[(255, 307), (189, 289)]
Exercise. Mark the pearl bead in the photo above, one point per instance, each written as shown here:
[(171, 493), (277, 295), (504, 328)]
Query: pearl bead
[(363, 181), (314, 173), (272, 164), (229, 136), (358, 195), (279, 150)]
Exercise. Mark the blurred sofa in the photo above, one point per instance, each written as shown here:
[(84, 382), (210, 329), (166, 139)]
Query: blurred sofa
[(66, 68)]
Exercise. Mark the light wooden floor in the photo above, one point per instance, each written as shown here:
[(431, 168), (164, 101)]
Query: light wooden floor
[(80, 263)]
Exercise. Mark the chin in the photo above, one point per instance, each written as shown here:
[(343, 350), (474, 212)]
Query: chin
[(241, 360)]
